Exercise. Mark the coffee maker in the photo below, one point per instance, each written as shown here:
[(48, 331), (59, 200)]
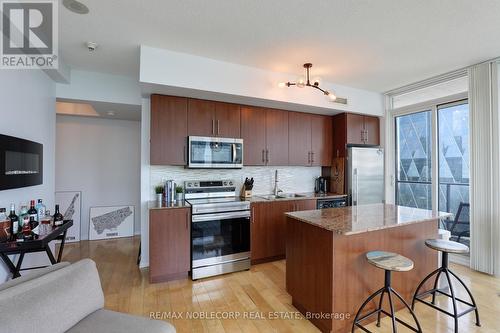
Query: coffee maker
[(321, 185)]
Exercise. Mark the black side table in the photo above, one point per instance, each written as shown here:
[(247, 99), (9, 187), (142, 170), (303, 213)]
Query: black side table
[(41, 244)]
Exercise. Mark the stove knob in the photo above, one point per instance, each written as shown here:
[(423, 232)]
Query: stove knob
[(196, 184), (190, 184), (225, 183), (230, 183)]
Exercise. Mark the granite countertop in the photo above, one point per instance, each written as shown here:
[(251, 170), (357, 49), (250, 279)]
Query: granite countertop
[(303, 196), (175, 204), (358, 219)]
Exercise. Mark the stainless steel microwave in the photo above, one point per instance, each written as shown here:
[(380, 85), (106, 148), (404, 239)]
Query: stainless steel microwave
[(212, 152)]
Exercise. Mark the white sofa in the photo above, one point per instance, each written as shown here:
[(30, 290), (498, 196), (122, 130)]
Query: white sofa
[(65, 298)]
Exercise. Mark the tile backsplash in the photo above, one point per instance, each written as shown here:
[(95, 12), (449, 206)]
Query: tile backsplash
[(291, 179)]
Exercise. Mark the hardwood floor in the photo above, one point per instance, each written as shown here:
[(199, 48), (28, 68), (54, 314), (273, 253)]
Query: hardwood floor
[(241, 302)]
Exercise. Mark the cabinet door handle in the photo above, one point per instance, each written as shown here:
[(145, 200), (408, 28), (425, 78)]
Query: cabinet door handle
[(218, 127), (366, 136), (185, 154), (308, 157), (267, 155), (213, 126), (312, 157), (263, 156)]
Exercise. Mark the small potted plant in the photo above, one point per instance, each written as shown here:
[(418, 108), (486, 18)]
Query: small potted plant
[(159, 194), (179, 193)]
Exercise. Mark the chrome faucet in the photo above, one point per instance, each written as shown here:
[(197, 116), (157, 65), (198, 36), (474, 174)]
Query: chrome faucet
[(276, 190)]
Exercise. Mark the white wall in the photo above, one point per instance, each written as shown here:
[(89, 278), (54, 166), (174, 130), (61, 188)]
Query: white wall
[(101, 158), (164, 71), (28, 111), (100, 87)]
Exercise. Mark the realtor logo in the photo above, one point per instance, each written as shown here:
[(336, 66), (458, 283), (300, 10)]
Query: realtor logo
[(29, 34)]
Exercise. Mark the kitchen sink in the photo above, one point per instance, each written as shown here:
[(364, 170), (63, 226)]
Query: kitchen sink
[(283, 196)]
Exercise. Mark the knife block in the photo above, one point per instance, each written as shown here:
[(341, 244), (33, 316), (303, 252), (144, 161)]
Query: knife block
[(245, 194)]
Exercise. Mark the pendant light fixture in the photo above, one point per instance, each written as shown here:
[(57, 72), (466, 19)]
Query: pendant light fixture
[(301, 83)]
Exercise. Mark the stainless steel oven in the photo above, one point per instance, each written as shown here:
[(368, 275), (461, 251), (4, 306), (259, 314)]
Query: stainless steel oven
[(220, 229), (212, 152)]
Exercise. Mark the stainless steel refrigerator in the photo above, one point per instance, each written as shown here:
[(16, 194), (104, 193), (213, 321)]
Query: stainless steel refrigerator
[(365, 175)]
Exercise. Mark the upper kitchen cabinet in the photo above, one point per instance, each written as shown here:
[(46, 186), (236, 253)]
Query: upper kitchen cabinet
[(209, 118), (265, 136), (321, 140), (299, 149), (310, 139), (276, 137), (253, 133), (354, 129), (169, 130), (227, 120)]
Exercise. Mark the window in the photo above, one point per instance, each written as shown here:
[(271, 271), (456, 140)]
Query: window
[(453, 143), (414, 160)]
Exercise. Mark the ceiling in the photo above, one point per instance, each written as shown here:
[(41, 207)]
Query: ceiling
[(72, 107), (375, 45)]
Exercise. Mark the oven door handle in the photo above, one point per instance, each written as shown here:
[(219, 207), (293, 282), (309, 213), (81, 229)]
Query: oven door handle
[(220, 216)]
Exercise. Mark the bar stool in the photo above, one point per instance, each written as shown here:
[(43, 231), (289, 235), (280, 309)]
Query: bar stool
[(389, 262), (446, 247)]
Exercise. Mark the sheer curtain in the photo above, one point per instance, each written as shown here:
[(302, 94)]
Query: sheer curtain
[(484, 168)]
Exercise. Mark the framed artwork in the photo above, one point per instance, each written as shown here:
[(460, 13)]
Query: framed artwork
[(111, 222), (70, 205)]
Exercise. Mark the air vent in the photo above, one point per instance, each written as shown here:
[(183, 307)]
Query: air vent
[(341, 100)]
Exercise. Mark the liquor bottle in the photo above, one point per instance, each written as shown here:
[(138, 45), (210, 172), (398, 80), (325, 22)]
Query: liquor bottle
[(24, 217), (33, 225), (14, 222), (32, 211), (58, 217), (4, 226), (40, 208)]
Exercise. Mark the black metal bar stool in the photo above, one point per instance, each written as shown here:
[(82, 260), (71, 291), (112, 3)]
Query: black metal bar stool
[(446, 247), (389, 262)]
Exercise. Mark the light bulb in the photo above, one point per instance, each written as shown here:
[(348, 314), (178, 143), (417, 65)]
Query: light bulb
[(301, 82), (331, 97), (316, 81), (282, 85)]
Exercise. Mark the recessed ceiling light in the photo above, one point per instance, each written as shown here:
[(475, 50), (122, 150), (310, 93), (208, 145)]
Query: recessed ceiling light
[(75, 6), (111, 113)]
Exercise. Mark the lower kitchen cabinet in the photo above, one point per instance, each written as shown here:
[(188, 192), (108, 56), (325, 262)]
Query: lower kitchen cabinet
[(169, 244), (268, 228)]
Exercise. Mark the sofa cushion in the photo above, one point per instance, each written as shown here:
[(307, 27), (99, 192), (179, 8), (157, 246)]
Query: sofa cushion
[(106, 321), (32, 275), (54, 302)]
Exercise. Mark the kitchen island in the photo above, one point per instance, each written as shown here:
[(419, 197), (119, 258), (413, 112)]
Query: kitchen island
[(327, 274)]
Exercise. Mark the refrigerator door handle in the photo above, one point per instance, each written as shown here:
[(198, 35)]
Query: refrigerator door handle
[(355, 173)]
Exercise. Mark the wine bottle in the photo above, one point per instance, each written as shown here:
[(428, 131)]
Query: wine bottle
[(32, 211), (58, 217), (14, 222)]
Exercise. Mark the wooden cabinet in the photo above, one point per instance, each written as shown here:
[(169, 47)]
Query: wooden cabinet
[(169, 244), (271, 137), (353, 129), (310, 139), (201, 117), (265, 136), (299, 149), (227, 120), (209, 118), (372, 130), (268, 230), (276, 137), (321, 140), (169, 120), (253, 133)]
